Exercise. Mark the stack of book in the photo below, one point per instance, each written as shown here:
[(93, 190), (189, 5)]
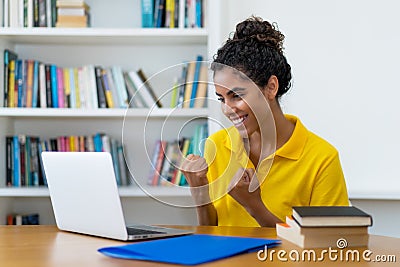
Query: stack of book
[(72, 14), (323, 227)]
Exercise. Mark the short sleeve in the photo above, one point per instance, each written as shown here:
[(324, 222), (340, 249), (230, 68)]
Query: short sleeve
[(330, 186)]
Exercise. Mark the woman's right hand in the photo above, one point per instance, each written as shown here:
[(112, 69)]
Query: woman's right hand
[(195, 168)]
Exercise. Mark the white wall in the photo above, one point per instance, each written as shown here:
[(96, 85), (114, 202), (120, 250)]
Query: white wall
[(344, 56)]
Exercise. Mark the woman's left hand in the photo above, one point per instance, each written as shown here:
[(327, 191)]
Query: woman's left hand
[(245, 189)]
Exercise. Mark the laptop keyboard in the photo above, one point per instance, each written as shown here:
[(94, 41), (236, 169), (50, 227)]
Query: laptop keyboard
[(136, 231)]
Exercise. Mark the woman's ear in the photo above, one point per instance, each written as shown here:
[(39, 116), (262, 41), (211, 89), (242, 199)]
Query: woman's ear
[(271, 89)]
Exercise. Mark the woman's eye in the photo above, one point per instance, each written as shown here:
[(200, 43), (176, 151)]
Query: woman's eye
[(221, 99)]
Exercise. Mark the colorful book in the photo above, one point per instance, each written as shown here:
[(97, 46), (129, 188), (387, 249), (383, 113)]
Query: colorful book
[(107, 90), (60, 87), (35, 84), (202, 87), (189, 84), (9, 91), (199, 61), (147, 13), (54, 86), (9, 56)]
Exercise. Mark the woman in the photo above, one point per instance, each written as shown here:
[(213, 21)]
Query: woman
[(254, 172)]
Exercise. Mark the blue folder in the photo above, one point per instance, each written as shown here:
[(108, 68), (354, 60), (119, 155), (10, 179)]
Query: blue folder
[(190, 249)]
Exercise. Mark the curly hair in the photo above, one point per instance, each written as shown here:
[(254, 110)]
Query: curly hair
[(256, 49)]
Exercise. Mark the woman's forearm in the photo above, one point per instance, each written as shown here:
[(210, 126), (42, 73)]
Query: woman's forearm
[(207, 214), (263, 216)]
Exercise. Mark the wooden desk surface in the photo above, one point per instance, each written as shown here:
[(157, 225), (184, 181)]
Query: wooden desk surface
[(44, 246)]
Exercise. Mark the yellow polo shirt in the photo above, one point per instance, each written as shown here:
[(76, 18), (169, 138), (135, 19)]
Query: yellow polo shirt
[(305, 171)]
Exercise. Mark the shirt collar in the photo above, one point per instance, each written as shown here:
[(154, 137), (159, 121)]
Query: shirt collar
[(292, 149)]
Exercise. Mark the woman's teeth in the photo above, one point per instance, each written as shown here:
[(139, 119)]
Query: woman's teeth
[(239, 120)]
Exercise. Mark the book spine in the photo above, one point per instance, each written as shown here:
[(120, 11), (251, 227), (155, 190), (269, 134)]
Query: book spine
[(60, 87), (54, 86), (202, 88), (82, 84), (107, 90), (141, 89), (9, 167), (149, 88), (28, 178), (189, 84), (114, 156), (91, 77), (20, 90), (48, 14), (35, 13), (67, 88), (35, 85), (17, 166), (42, 13), (49, 100), (160, 162), (195, 80), (8, 57), (21, 141), (11, 83), (101, 98), (121, 89), (42, 85), (122, 166), (77, 88), (72, 97), (147, 13)]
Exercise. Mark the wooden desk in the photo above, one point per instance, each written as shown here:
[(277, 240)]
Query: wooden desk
[(45, 246)]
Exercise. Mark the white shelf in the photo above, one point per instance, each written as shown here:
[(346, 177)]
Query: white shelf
[(104, 36), (132, 191), (79, 113)]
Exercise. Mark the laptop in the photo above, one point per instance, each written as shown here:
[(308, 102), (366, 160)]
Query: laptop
[(85, 198)]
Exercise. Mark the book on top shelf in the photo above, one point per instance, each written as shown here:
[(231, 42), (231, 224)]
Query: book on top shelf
[(319, 216)]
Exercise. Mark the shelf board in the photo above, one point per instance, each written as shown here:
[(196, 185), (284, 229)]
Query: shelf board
[(118, 113), (104, 36), (123, 192)]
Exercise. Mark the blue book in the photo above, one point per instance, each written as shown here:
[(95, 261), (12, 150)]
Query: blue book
[(199, 14), (35, 88), (199, 61), (201, 249), (54, 87), (17, 167), (98, 144), (20, 67), (147, 13), (114, 156)]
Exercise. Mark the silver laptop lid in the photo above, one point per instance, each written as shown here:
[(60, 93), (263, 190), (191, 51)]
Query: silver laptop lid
[(84, 193)]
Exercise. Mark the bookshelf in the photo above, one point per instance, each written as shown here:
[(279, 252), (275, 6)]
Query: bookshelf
[(112, 40)]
